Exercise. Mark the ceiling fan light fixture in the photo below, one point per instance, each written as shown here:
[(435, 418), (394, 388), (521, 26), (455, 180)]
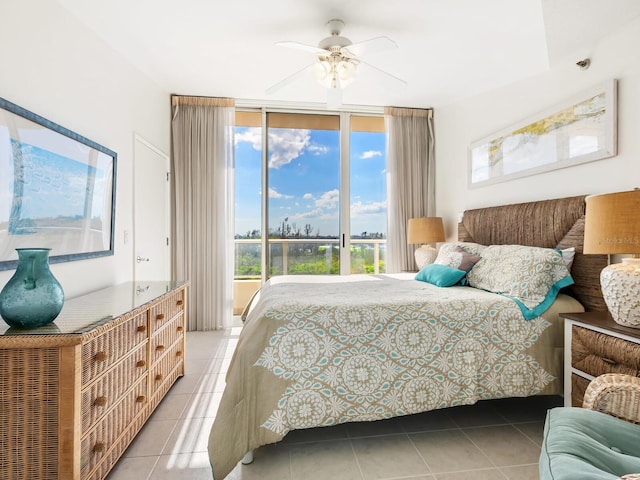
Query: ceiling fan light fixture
[(322, 72), (346, 72), (334, 72), (337, 62)]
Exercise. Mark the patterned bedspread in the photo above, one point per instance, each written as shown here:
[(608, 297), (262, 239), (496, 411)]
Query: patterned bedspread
[(360, 348)]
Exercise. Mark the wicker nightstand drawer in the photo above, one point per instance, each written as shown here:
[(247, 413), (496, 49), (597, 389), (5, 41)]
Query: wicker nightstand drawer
[(107, 349), (167, 309), (593, 345), (98, 398), (596, 353), (578, 387)]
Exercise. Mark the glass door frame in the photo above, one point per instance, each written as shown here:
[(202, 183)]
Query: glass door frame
[(344, 235)]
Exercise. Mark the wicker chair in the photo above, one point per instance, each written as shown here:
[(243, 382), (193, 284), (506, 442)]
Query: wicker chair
[(615, 394), (589, 443)]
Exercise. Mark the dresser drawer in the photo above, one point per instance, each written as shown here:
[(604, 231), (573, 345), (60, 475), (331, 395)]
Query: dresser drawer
[(596, 353), (107, 391), (101, 439), (167, 369), (105, 350), (162, 340), (165, 310)]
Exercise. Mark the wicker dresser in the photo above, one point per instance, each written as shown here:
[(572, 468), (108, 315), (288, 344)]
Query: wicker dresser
[(73, 394), (595, 344)]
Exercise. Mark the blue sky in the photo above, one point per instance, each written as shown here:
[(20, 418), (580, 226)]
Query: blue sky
[(304, 180)]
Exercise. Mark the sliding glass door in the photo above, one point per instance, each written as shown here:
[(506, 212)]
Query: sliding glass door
[(310, 194), (303, 185), (367, 194)]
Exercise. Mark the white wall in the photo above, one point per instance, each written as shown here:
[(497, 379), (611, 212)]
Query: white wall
[(459, 125), (54, 66)]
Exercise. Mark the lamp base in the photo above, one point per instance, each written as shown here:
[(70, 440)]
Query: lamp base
[(425, 255), (620, 285)]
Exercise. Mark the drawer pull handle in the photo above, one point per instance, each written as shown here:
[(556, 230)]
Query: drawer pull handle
[(141, 399), (101, 356), (179, 329), (178, 353), (141, 328), (141, 363), (99, 447), (159, 348), (160, 316), (100, 401), (609, 361), (179, 303), (158, 377)]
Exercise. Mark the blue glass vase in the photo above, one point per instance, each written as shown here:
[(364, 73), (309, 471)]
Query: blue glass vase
[(32, 297)]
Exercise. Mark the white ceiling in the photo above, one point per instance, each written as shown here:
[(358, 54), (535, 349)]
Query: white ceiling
[(447, 49)]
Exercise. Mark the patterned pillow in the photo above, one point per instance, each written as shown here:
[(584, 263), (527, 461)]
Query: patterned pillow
[(440, 275), (531, 276), (446, 248), (458, 258)]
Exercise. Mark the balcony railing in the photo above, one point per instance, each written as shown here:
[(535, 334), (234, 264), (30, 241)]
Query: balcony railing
[(307, 256)]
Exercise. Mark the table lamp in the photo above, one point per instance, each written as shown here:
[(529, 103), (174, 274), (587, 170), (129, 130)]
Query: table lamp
[(612, 226), (425, 230)]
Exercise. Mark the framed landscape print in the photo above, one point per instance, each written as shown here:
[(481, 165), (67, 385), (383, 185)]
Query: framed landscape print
[(57, 190), (582, 129)]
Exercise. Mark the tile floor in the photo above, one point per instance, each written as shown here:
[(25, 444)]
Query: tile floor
[(498, 439)]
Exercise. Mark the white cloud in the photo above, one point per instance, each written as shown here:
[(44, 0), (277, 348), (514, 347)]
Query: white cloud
[(316, 149), (307, 196), (252, 135), (328, 199), (370, 154), (273, 193), (285, 145), (316, 213), (359, 209)]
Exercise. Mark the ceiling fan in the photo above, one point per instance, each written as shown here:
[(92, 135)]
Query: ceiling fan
[(338, 60)]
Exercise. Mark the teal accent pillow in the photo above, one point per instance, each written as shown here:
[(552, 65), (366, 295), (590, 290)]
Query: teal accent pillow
[(440, 275)]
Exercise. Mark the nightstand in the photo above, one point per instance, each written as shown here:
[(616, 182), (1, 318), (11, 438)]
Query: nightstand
[(594, 344)]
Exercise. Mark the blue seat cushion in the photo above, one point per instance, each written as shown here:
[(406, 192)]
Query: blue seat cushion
[(581, 444)]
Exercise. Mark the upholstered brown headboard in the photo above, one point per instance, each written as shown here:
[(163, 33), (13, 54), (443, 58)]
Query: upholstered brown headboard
[(557, 223)]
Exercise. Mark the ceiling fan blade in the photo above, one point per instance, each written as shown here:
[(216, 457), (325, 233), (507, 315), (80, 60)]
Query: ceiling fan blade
[(389, 80), (334, 98), (287, 80), (304, 46), (373, 45)]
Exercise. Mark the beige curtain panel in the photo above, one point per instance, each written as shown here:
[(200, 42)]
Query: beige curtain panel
[(410, 179), (202, 132)]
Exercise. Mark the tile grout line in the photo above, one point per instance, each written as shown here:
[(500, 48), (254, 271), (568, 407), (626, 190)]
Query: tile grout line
[(420, 455), (353, 450)]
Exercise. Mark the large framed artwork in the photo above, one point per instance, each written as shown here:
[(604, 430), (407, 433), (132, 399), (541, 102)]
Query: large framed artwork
[(582, 129), (57, 190)]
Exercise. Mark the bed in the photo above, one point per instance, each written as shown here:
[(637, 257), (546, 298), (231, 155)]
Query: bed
[(319, 351)]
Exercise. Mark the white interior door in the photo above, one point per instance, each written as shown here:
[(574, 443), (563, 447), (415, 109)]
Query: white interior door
[(151, 199)]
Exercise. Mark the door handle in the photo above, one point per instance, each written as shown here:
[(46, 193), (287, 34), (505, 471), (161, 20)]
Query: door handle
[(140, 259)]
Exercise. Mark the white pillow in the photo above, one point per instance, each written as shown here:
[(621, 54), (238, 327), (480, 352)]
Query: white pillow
[(567, 256)]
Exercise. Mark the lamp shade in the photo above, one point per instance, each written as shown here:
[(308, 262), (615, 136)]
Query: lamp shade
[(425, 230), (612, 223)]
